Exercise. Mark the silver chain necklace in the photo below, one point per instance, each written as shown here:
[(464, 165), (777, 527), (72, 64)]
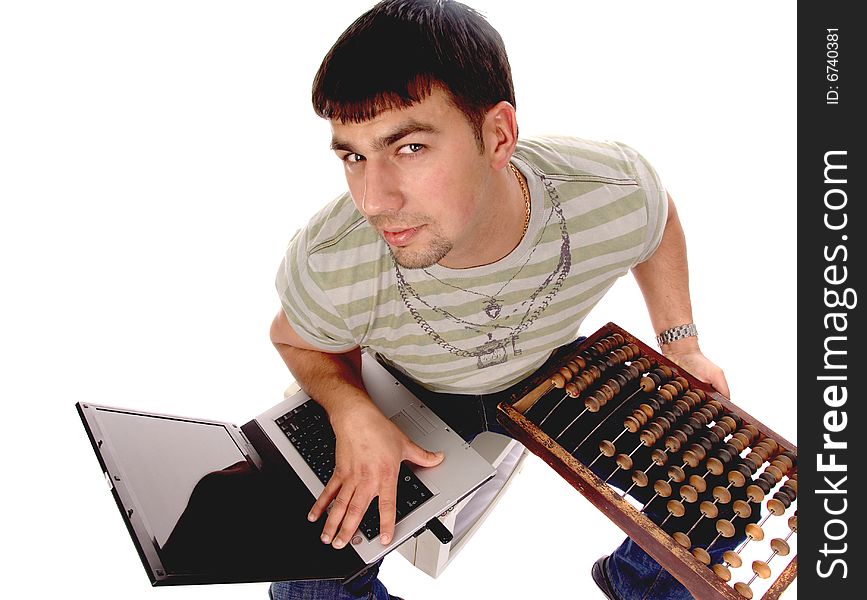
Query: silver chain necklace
[(494, 351)]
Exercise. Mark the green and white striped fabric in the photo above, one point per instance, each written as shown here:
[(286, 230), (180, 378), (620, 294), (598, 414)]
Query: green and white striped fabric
[(598, 209)]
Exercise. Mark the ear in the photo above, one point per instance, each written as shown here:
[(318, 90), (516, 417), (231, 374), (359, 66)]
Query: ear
[(500, 134)]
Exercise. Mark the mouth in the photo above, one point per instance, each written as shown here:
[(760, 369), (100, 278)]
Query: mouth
[(399, 237)]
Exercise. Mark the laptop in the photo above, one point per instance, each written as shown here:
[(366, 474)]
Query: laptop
[(210, 502)]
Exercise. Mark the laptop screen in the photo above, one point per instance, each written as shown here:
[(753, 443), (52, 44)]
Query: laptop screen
[(163, 460), (206, 510)]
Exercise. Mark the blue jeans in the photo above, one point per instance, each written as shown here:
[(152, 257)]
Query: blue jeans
[(365, 586), (634, 574)]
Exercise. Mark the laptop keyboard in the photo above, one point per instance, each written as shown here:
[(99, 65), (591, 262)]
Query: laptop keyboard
[(308, 429)]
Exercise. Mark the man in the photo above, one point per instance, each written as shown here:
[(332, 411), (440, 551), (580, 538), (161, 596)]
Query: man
[(461, 255)]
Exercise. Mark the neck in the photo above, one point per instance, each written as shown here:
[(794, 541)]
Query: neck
[(501, 227)]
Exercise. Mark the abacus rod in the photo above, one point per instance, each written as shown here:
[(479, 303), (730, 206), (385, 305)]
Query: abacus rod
[(602, 422), (571, 423), (550, 412)]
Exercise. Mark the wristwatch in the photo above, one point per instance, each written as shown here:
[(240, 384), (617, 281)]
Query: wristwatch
[(676, 333)]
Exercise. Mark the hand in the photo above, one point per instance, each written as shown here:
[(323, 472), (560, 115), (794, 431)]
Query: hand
[(694, 361), (369, 451)]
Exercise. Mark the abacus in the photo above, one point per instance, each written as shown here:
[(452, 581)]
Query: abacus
[(685, 473)]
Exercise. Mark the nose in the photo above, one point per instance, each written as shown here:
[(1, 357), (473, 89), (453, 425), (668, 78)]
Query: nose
[(381, 193)]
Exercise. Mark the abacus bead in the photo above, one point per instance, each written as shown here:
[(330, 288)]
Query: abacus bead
[(697, 420), (632, 424), (743, 470), (691, 458), (647, 384), (607, 390), (732, 558), (722, 572), (780, 546), (639, 478), (677, 386), (663, 488), (779, 500), (566, 373), (736, 478), (672, 444), (793, 523), (657, 381), (792, 484), (742, 509), (593, 404), (774, 471), (558, 381), (666, 371), (755, 532), (766, 487), (702, 555), (768, 478), (671, 390), (572, 389), (676, 508), (728, 423), (624, 461), (579, 362), (646, 409), (755, 493), (761, 569), (722, 494), (648, 437), (725, 528), (614, 385), (715, 465), (709, 509), (744, 590), (698, 483), (607, 448), (618, 338), (665, 395), (688, 493), (730, 449), (682, 539), (789, 492), (659, 457), (676, 474), (712, 439)]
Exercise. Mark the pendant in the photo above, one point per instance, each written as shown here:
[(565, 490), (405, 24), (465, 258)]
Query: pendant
[(493, 308), (491, 353)]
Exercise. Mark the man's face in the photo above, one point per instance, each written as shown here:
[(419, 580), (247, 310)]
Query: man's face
[(419, 178)]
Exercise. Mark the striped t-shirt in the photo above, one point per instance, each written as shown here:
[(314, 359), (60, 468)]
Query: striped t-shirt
[(597, 210)]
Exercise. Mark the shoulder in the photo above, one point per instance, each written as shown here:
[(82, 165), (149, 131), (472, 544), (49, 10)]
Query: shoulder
[(561, 157)]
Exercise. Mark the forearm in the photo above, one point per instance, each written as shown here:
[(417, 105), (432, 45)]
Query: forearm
[(334, 380), (664, 283)]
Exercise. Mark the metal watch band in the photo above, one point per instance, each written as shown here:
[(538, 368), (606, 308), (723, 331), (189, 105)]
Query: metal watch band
[(676, 333)]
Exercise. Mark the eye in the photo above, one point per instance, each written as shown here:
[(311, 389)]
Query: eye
[(410, 149), (352, 157)]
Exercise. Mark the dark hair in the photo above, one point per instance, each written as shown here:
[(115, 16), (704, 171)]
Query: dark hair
[(393, 55)]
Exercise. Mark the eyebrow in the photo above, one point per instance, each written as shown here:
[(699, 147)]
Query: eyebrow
[(381, 143)]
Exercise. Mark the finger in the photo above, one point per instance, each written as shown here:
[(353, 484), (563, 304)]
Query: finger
[(387, 510), (324, 499), (336, 515), (424, 458), (720, 383), (355, 509)]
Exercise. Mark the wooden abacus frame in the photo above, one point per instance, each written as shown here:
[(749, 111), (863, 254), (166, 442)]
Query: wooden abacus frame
[(699, 579)]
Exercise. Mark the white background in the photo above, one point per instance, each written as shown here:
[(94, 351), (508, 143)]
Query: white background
[(156, 157)]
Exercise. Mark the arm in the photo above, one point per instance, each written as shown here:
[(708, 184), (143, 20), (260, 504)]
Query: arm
[(369, 446), (664, 283)]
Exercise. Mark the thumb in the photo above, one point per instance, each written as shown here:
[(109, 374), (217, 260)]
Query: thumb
[(424, 458)]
